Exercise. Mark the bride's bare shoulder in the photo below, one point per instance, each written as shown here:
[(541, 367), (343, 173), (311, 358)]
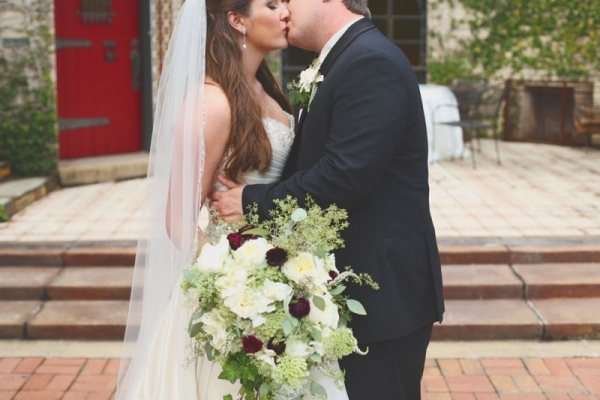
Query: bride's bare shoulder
[(217, 104)]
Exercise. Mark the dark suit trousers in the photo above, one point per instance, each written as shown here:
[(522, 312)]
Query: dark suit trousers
[(391, 371)]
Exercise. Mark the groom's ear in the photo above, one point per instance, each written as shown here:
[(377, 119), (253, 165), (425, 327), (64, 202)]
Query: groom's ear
[(236, 21)]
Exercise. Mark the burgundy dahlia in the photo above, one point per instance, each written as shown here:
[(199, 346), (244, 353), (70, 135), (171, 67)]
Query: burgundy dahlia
[(251, 344), (278, 348), (299, 308), (276, 257), (236, 240), (333, 274)]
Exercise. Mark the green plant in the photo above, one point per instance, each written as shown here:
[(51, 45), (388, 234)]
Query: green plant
[(555, 38), (3, 214), (449, 68), (27, 103)]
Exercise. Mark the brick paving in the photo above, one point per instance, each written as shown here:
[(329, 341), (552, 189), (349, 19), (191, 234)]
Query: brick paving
[(448, 378), (539, 191)]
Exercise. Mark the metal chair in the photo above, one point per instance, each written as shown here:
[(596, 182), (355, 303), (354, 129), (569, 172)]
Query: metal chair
[(586, 122), (479, 110)]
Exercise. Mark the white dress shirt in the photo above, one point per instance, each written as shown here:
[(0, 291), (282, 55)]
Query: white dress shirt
[(334, 39)]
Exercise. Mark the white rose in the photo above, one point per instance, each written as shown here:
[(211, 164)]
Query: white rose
[(247, 303), (216, 327), (307, 77), (296, 348), (267, 356), (276, 290), (305, 266), (329, 317), (212, 258), (253, 252), (233, 278)]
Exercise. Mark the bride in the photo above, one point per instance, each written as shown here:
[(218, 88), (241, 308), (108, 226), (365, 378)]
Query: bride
[(219, 110)]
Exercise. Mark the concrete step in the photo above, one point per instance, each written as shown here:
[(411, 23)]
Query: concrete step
[(461, 282), (83, 171), (66, 283), (82, 293), (450, 254), (65, 256), (63, 320), (505, 319), (16, 194)]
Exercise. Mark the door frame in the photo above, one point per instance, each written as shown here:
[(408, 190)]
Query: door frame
[(146, 88)]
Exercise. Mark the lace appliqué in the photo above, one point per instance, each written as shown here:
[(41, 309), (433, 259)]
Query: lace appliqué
[(279, 133)]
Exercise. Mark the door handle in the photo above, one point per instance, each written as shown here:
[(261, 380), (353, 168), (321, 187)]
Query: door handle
[(110, 50), (136, 65)]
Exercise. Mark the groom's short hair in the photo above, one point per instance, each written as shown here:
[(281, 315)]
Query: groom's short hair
[(358, 7)]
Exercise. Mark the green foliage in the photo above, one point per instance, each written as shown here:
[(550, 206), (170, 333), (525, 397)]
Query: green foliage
[(559, 38), (445, 70), (3, 214), (320, 228), (28, 107)]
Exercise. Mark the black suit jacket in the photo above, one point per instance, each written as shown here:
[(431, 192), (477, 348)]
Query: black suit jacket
[(363, 147)]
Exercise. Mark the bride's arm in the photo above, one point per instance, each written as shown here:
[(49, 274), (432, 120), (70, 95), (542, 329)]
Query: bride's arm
[(217, 128)]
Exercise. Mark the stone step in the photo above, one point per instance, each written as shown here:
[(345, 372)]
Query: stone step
[(76, 256), (72, 320), (466, 320), (65, 283), (450, 254), (506, 319), (63, 320), (491, 281), (16, 194), (82, 293)]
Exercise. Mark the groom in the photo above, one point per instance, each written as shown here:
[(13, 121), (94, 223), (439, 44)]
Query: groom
[(363, 146)]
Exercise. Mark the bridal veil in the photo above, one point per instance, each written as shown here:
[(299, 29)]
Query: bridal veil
[(172, 203)]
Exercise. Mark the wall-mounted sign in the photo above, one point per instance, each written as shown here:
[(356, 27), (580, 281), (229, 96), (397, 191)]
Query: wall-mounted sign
[(15, 43)]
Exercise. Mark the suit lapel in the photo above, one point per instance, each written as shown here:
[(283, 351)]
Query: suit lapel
[(348, 37)]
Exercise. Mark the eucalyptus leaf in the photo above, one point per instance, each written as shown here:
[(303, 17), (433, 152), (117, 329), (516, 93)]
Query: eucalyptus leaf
[(319, 302), (287, 327), (198, 315), (356, 307), (319, 252), (195, 329), (317, 390), (190, 274), (209, 351), (315, 357), (263, 391), (316, 334), (295, 321), (337, 290), (299, 214), (256, 231)]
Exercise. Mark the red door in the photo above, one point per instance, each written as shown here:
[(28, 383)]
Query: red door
[(98, 77)]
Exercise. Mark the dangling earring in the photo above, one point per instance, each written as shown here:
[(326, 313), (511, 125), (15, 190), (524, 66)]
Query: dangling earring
[(244, 42)]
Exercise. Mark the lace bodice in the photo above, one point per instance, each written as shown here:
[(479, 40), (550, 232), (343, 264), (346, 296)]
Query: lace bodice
[(281, 138)]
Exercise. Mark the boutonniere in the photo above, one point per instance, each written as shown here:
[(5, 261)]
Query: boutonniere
[(303, 89)]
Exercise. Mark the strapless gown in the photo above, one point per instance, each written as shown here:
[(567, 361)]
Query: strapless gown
[(164, 379)]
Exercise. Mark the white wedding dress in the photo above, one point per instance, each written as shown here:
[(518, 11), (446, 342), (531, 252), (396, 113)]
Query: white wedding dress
[(163, 378)]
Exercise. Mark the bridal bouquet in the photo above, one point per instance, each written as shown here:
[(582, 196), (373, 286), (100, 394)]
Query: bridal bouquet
[(269, 302)]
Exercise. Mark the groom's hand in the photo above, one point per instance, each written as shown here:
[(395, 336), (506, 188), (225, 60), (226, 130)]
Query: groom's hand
[(229, 202)]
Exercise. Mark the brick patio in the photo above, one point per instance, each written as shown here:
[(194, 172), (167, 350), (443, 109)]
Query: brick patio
[(451, 378)]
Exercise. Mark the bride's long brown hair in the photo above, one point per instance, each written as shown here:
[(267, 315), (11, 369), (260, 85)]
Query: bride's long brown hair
[(248, 147)]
